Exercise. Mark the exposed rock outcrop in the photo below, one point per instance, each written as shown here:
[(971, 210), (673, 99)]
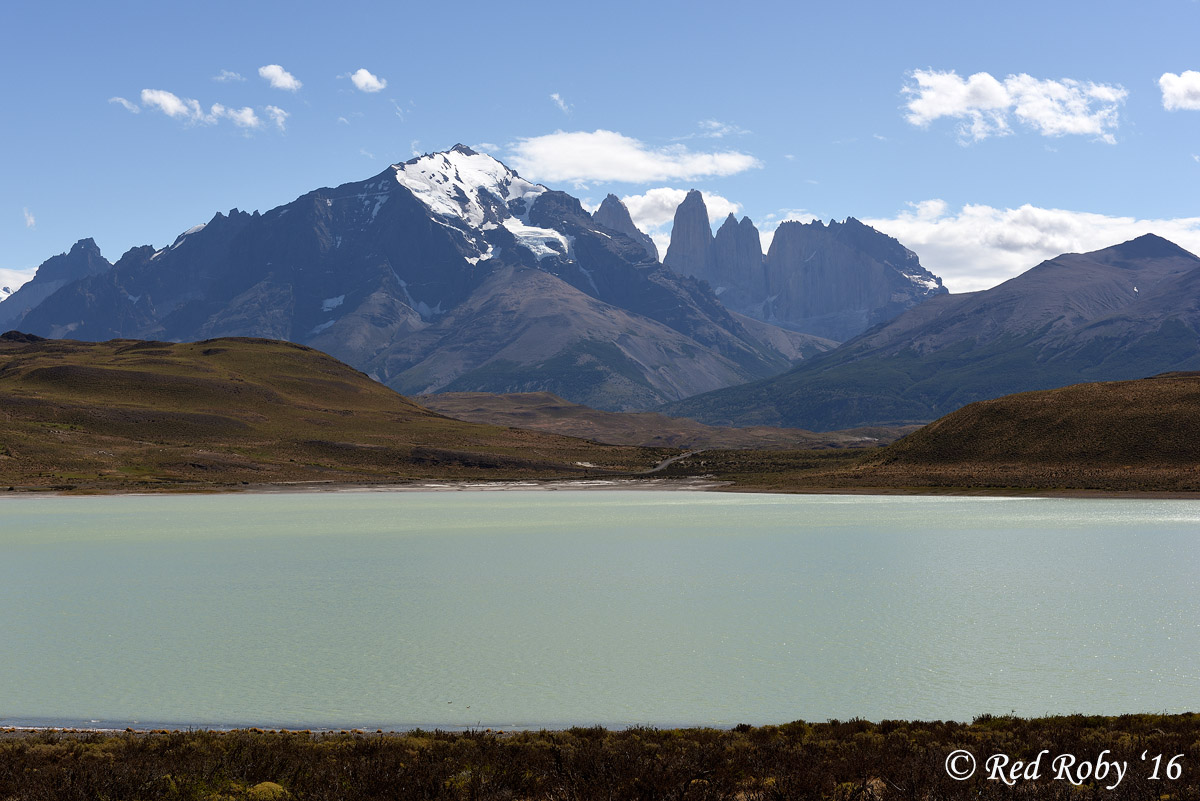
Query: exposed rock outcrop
[(612, 214), (831, 281)]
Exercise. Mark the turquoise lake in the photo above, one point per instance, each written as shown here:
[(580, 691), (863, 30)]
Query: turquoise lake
[(503, 609)]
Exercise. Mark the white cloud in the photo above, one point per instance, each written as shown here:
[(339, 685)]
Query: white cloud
[(191, 112), (13, 279), (30, 222), (980, 246), (364, 152), (278, 116), (226, 76), (279, 77), (985, 105), (1180, 91), (130, 107), (654, 211), (563, 106), (367, 82), (415, 147), (242, 117), (579, 157), (715, 129), (486, 147), (172, 105)]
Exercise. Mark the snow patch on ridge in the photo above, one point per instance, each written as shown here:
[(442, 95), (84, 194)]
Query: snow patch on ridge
[(922, 281), (179, 240), (323, 326), (542, 242)]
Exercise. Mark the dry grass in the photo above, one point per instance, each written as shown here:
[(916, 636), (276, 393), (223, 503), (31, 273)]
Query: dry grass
[(1126, 436), (131, 415), (543, 411)]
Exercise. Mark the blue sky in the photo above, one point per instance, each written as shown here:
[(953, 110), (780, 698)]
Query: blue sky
[(984, 137)]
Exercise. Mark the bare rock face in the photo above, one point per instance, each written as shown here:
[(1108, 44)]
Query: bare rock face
[(838, 280), (612, 214), (831, 281), (691, 249), (738, 270)]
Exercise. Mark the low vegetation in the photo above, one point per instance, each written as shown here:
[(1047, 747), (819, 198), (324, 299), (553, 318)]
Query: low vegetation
[(543, 411), (1122, 436), (128, 415), (133, 415), (835, 760)]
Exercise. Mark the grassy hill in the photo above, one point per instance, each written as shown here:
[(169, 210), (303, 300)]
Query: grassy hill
[(134, 415), (129, 415), (544, 411), (1140, 436)]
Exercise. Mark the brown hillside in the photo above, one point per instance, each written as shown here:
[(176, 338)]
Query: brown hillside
[(1126, 436), (1149, 422), (544, 411), (129, 414)]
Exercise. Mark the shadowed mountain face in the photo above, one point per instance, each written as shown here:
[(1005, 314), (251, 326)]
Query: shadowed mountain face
[(81, 261), (832, 281), (449, 271), (1124, 312)]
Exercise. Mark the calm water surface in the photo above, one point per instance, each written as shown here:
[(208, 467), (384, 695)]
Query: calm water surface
[(560, 608)]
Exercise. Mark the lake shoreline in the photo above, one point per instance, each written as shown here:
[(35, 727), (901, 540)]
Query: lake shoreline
[(695, 484)]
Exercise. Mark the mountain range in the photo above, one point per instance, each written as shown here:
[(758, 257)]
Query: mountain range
[(452, 273), (448, 272), (1126, 311)]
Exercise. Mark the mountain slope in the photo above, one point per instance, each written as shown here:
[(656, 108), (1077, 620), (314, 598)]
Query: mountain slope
[(420, 276), (1123, 312), (134, 414)]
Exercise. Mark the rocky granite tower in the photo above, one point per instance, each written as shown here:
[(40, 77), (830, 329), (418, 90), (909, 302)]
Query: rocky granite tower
[(831, 281), (741, 281), (613, 214), (690, 252)]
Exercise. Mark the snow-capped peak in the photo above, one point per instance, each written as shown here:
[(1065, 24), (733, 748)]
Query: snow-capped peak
[(450, 184)]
